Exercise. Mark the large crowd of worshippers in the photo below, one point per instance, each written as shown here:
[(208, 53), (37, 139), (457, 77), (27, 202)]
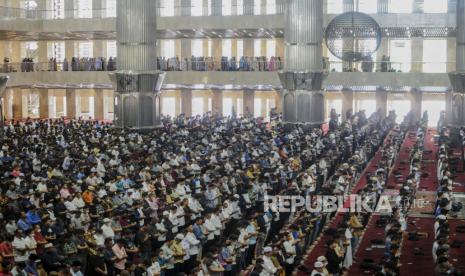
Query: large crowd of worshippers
[(445, 206), (84, 198)]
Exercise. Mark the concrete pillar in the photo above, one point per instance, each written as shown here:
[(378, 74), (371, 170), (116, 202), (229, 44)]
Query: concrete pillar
[(217, 7), (417, 54), (248, 100), (303, 67), (383, 6), (451, 54), (42, 51), (99, 48), (216, 48), (8, 104), (279, 101), (217, 101), (452, 6), (418, 6), (248, 47), (186, 7), (69, 8), (186, 102), (20, 104), (71, 104), (347, 103), (44, 103), (138, 83), (416, 98), (456, 101), (69, 50), (348, 5), (186, 48), (98, 8), (248, 7), (99, 105), (381, 102)]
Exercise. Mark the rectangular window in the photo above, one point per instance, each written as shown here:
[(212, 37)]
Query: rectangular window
[(368, 6), (270, 48), (110, 10), (335, 6), (83, 49), (335, 104), (434, 56), (111, 49), (197, 106), (226, 48), (56, 50), (257, 107), (197, 7), (270, 6), (227, 107), (257, 6), (401, 6), (401, 55), (240, 48), (197, 47), (168, 106), (435, 6), (84, 8), (167, 8), (167, 49), (29, 49), (257, 47), (226, 9)]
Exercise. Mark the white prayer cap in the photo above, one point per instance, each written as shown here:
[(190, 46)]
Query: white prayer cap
[(319, 265), (267, 249)]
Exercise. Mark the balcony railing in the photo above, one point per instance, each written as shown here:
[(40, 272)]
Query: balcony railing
[(254, 65)]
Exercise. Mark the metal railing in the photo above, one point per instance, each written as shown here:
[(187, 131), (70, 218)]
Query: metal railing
[(390, 66), (238, 65)]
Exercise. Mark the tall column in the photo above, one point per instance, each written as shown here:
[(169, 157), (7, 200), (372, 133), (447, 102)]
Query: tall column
[(186, 102), (248, 47), (416, 98), (99, 48), (69, 8), (99, 105), (381, 102), (186, 48), (138, 83), (217, 7), (452, 6), (44, 103), (347, 103), (3, 101), (217, 101), (451, 54), (98, 8), (302, 77), (249, 100), (456, 101), (186, 7), (418, 6), (417, 55), (279, 101), (19, 104), (71, 103), (383, 6)]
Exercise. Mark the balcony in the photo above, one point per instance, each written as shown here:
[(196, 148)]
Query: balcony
[(233, 80)]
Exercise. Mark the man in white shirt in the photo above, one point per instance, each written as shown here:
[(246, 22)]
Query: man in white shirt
[(107, 230), (268, 267), (20, 247)]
